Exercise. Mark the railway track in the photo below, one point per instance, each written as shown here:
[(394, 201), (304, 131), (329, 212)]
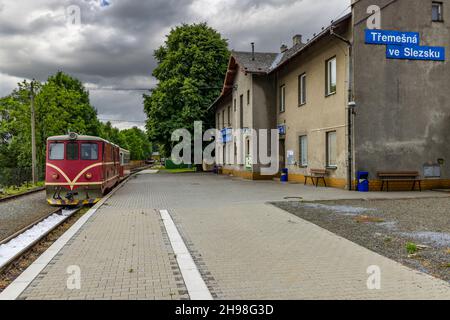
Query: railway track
[(23, 194), (17, 244), (14, 246)]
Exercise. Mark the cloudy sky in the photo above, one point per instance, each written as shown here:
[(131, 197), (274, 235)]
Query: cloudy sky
[(112, 46)]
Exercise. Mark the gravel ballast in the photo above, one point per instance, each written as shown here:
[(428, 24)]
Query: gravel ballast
[(387, 226), (20, 212)]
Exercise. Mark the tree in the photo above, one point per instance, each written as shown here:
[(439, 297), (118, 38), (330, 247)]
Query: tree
[(191, 66), (137, 142), (62, 105)]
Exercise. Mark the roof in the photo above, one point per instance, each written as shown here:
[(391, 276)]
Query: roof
[(261, 62), (298, 49), (81, 138), (267, 62)]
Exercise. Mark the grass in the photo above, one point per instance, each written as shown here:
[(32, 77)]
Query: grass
[(411, 248), (186, 170), (15, 190)]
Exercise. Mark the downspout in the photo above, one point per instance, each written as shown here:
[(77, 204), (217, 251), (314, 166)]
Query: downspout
[(350, 107)]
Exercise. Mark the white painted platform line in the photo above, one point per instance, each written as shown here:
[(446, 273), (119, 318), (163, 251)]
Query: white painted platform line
[(195, 285)]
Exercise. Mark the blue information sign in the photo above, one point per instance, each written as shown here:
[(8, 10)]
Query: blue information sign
[(226, 135), (282, 129), (415, 53), (389, 37)]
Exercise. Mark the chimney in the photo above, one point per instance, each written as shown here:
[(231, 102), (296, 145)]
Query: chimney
[(253, 51), (297, 39), (283, 48)]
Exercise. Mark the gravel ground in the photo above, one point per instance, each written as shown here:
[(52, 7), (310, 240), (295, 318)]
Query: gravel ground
[(386, 226), (20, 212)]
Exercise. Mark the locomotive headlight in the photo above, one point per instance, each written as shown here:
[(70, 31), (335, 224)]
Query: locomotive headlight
[(55, 176), (88, 176)]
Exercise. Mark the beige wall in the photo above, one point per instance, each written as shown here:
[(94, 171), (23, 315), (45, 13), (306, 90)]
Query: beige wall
[(321, 113), (242, 83)]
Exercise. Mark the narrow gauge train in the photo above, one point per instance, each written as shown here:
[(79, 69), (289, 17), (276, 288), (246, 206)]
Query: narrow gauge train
[(81, 169)]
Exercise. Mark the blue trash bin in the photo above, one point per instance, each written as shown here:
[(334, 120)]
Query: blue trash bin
[(284, 175), (363, 181)]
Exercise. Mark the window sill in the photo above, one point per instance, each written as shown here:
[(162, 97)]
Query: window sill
[(331, 167), (302, 104), (303, 166), (330, 94)]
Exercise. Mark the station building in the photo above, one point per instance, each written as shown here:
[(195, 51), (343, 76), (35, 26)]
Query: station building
[(353, 98)]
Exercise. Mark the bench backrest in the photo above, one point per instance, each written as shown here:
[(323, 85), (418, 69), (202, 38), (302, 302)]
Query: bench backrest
[(318, 171), (398, 174)]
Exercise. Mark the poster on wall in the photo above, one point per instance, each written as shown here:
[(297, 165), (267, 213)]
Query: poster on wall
[(290, 157)]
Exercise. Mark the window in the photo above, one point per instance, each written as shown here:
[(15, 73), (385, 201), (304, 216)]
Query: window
[(89, 151), (303, 151), (282, 98), (234, 104), (229, 116), (241, 111), (56, 151), (223, 118), (437, 10), (331, 76), (72, 151), (331, 149), (302, 89), (248, 97), (218, 120)]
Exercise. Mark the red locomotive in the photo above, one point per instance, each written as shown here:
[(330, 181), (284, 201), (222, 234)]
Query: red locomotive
[(81, 169)]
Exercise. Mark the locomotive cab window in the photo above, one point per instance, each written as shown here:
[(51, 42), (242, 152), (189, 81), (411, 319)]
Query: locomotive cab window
[(56, 151), (72, 151), (89, 151)]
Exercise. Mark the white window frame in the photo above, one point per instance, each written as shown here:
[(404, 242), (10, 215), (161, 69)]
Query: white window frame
[(331, 141), (302, 89), (303, 151), (440, 7), (282, 98), (331, 67)]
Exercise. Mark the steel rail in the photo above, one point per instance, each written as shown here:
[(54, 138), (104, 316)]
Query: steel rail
[(15, 196)]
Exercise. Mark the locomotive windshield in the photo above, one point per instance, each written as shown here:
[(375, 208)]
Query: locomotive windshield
[(89, 151), (56, 151), (72, 151)]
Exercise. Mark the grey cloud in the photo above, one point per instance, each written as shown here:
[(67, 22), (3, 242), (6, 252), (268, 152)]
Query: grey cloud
[(114, 48)]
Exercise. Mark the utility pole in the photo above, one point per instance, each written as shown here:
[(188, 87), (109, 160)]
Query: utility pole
[(33, 136)]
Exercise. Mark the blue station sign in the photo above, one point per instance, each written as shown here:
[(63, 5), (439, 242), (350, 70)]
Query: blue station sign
[(388, 37), (416, 53)]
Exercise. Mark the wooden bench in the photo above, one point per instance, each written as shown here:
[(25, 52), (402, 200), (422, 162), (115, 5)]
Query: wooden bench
[(400, 176), (317, 174)]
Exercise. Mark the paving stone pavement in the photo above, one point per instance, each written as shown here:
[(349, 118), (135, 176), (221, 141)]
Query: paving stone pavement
[(122, 254), (244, 248)]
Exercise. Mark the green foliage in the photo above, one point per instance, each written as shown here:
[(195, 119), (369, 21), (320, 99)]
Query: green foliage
[(62, 105), (136, 141), (191, 66), (411, 248)]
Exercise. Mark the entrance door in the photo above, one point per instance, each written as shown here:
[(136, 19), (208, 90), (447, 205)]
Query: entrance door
[(282, 155)]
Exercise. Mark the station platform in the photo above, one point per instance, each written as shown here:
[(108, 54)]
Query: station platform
[(201, 236)]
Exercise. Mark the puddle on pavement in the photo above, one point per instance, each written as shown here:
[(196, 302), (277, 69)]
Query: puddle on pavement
[(345, 210), (440, 239)]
